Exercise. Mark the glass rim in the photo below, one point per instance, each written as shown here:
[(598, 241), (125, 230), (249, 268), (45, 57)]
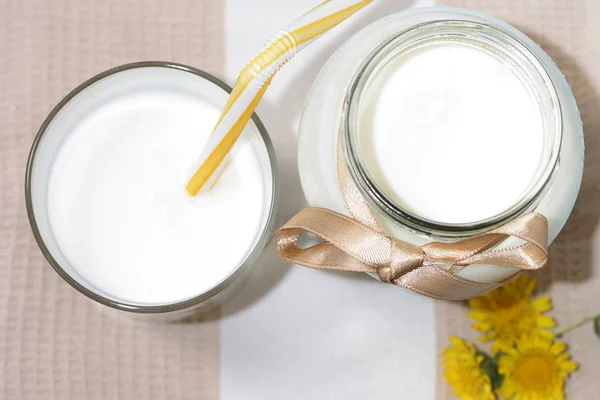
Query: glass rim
[(187, 304), (376, 196)]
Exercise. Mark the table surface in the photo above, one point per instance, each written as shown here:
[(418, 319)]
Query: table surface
[(292, 333), (295, 333)]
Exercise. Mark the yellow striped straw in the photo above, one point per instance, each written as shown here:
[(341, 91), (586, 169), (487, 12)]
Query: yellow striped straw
[(256, 77)]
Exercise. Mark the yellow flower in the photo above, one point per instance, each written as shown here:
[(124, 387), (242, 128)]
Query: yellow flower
[(535, 369), (507, 313), (463, 372)]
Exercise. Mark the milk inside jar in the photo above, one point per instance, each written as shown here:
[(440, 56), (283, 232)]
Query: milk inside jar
[(435, 135)]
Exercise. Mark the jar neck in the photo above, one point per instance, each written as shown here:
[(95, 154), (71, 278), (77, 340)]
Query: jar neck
[(515, 56)]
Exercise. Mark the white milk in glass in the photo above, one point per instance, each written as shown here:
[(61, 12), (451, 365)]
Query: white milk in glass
[(108, 190)]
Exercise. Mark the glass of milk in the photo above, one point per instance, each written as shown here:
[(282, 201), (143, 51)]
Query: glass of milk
[(105, 191), (452, 123)]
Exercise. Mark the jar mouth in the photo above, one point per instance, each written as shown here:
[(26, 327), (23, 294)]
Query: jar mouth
[(504, 47)]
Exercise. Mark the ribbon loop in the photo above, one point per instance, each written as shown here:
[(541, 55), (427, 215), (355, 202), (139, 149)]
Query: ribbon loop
[(349, 245)]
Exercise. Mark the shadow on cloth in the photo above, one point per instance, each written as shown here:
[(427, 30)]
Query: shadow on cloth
[(571, 254)]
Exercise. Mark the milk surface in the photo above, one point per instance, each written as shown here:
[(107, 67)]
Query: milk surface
[(450, 133), (119, 211)]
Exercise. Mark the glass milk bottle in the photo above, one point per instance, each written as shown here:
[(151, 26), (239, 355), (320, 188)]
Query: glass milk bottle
[(452, 123)]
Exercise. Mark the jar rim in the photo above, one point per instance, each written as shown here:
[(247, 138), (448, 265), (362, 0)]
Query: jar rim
[(520, 56), (122, 305)]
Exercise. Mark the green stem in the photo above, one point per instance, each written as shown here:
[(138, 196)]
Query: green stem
[(561, 331), (489, 366)]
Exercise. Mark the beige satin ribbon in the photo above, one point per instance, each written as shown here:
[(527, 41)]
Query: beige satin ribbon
[(359, 244)]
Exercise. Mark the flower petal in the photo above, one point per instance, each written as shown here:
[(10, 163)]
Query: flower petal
[(502, 346), (545, 321), (478, 315), (482, 326), (542, 304), (530, 286), (569, 366), (557, 348)]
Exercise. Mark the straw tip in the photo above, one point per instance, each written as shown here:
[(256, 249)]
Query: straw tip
[(192, 189)]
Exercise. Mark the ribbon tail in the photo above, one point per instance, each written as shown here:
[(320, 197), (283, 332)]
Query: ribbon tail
[(355, 202), (439, 283), (527, 257)]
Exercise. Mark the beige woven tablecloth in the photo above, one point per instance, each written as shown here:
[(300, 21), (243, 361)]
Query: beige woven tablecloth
[(569, 31), (54, 343)]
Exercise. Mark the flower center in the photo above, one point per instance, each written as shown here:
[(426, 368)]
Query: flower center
[(535, 373)]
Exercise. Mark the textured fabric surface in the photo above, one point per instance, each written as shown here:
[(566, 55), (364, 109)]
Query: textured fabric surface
[(569, 32), (54, 343)]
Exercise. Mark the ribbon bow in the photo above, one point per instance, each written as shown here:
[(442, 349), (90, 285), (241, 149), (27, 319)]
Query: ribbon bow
[(359, 244), (349, 245)]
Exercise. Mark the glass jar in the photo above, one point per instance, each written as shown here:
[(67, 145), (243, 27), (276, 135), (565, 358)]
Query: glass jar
[(333, 110)]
